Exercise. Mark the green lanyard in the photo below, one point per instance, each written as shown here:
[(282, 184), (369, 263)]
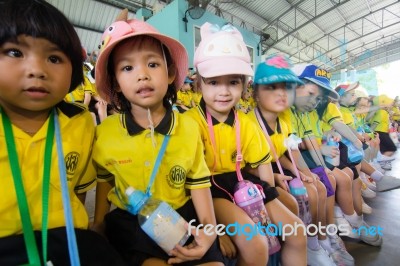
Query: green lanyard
[(30, 242)]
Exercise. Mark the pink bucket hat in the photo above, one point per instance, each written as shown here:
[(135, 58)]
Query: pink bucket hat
[(221, 51), (123, 29)]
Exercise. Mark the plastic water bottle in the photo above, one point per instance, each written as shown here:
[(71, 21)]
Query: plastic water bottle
[(157, 219), (249, 198), (334, 161), (354, 155), (298, 190)]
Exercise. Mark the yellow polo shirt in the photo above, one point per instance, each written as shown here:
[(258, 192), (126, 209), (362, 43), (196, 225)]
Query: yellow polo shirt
[(254, 147), (347, 114), (77, 133), (185, 98), (124, 151), (381, 119), (196, 96), (298, 123), (277, 135), (330, 115), (78, 94), (396, 113), (316, 125)]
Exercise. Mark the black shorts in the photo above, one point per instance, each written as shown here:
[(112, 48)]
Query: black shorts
[(386, 142), (128, 238), (93, 249), (228, 181), (344, 162)]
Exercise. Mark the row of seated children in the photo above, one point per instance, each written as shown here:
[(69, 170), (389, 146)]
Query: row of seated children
[(138, 71), (222, 85)]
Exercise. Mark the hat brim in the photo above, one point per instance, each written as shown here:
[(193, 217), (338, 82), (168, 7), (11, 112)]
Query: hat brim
[(176, 49), (231, 66), (353, 86), (332, 94), (279, 78)]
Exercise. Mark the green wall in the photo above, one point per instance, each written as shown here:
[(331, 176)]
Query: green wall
[(169, 22)]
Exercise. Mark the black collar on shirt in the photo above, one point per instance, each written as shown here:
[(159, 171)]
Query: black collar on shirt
[(229, 121), (269, 129), (70, 109), (164, 127)]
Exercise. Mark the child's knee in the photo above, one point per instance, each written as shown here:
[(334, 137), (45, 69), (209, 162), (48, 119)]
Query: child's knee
[(255, 252), (321, 190)]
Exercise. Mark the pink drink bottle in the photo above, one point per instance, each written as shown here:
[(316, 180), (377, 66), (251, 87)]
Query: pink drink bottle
[(249, 198), (298, 190)]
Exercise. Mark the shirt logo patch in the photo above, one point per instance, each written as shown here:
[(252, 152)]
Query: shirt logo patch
[(177, 176), (71, 162)]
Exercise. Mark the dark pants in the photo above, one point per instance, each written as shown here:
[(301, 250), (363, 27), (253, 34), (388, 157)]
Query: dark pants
[(93, 249)]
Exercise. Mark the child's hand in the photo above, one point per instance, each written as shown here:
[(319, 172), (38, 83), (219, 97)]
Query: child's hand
[(366, 137), (228, 249), (330, 151), (280, 181), (306, 178), (195, 250), (98, 228)]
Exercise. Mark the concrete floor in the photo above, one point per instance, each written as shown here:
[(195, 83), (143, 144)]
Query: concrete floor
[(386, 214)]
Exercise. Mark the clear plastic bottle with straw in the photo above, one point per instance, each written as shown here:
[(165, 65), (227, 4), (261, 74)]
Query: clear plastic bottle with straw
[(157, 219)]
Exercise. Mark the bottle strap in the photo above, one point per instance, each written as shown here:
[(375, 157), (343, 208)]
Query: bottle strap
[(29, 237), (157, 163), (154, 171), (271, 145), (72, 245), (239, 156)]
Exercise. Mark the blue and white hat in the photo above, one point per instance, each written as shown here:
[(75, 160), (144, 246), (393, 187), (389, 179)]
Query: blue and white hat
[(275, 69), (316, 75)]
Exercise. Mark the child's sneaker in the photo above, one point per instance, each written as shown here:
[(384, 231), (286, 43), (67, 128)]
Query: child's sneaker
[(340, 250), (387, 183), (366, 208), (318, 257), (366, 192), (343, 225), (386, 165), (384, 158), (377, 167), (367, 181), (365, 236)]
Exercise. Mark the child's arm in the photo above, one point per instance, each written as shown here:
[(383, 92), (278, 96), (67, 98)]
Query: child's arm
[(346, 132), (102, 206), (81, 197), (265, 173), (202, 202), (88, 97), (315, 150)]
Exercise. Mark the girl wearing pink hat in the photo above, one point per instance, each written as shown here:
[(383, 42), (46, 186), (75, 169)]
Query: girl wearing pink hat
[(223, 64), (138, 72)]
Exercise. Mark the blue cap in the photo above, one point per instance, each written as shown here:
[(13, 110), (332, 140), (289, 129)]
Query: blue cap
[(316, 75), (275, 69), (188, 80), (136, 199)]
